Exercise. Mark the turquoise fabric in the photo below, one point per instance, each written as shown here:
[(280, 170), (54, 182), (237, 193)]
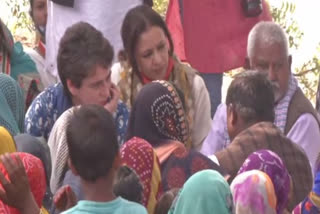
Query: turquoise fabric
[(205, 192), (21, 62), (11, 105), (117, 206)]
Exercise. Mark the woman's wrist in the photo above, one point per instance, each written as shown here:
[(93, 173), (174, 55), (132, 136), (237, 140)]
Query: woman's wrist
[(29, 205)]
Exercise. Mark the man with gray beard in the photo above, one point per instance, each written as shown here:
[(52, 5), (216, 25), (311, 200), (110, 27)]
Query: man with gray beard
[(267, 51)]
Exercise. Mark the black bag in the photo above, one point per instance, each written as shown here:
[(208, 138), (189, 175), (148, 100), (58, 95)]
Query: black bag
[(67, 3), (252, 8)]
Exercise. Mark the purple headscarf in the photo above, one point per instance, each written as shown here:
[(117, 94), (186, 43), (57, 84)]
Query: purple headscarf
[(271, 164)]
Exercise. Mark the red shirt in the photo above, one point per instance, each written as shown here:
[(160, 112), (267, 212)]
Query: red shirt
[(215, 33)]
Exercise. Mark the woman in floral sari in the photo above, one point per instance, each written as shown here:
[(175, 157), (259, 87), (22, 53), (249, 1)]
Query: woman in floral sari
[(158, 117)]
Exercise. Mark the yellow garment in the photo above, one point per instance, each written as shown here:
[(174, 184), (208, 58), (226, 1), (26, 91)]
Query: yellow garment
[(7, 144), (43, 211)]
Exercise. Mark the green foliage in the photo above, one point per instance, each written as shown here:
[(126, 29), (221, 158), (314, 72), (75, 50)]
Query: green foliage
[(308, 73), (19, 21), (284, 17), (20, 15), (161, 6)]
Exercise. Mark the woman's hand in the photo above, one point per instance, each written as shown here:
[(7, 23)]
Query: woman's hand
[(112, 105), (17, 192), (65, 198)]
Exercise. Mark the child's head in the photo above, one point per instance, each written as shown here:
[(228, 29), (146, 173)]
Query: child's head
[(165, 201), (92, 143), (127, 185)]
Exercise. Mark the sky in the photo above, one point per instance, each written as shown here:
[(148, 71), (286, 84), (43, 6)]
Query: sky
[(307, 15)]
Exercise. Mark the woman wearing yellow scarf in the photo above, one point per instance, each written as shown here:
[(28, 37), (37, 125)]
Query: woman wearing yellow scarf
[(7, 144)]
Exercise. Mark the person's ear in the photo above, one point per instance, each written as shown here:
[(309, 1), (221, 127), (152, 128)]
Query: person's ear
[(72, 88), (117, 162), (148, 3), (227, 177), (247, 63), (233, 115), (73, 169), (290, 61)]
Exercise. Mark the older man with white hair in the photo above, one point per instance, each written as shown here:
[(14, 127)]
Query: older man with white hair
[(267, 51)]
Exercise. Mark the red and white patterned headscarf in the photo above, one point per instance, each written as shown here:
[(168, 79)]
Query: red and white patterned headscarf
[(139, 155), (36, 176)]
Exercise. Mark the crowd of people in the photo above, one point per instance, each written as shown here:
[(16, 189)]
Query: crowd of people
[(103, 117)]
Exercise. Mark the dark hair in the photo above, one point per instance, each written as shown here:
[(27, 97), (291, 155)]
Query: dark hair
[(31, 3), (92, 141), (136, 22), (31, 8), (164, 203), (144, 124), (4, 39), (81, 49), (127, 185), (251, 94), (35, 146)]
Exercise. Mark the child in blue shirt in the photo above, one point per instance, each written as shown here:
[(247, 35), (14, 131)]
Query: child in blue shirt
[(94, 157)]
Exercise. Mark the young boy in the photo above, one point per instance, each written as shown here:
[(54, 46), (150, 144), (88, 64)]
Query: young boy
[(128, 185), (94, 156)]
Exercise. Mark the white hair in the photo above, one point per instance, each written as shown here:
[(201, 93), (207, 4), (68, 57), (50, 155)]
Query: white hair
[(268, 33)]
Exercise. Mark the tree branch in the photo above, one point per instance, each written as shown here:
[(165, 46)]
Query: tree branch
[(305, 72)]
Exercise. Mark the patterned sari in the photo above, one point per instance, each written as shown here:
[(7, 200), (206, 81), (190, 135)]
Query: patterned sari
[(311, 204), (158, 117), (181, 165), (139, 155), (271, 164), (253, 192), (37, 180), (186, 80), (205, 192)]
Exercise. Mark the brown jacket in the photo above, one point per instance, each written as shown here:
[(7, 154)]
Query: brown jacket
[(265, 135), (299, 105)]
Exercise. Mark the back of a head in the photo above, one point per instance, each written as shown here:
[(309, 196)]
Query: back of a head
[(6, 39), (204, 192), (165, 201), (136, 22), (35, 146), (158, 114), (267, 33), (81, 49), (251, 94), (92, 142), (253, 192), (127, 185)]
